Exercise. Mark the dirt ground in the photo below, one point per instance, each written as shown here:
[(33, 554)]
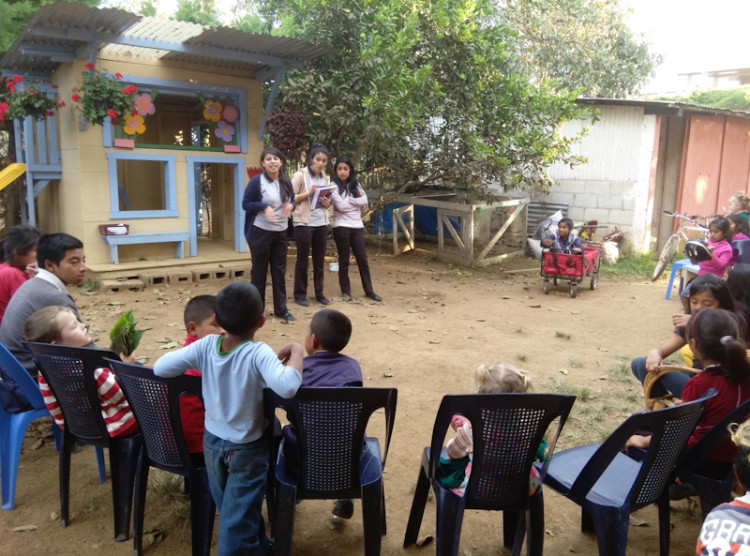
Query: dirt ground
[(436, 324)]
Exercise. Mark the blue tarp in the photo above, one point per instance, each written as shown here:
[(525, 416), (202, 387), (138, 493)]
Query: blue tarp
[(425, 220)]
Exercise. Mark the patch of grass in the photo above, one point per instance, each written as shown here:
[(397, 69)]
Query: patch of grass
[(620, 371), (519, 330), (522, 357), (560, 386), (631, 264), (89, 286), (167, 492), (562, 334), (575, 363)]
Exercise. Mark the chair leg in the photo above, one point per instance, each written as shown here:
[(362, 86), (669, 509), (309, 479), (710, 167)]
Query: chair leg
[(123, 462), (532, 526), (372, 514), (417, 508), (711, 493), (286, 501), (139, 502), (450, 516), (512, 519), (663, 503), (587, 524), (10, 454), (100, 464), (65, 448), (611, 526), (202, 512)]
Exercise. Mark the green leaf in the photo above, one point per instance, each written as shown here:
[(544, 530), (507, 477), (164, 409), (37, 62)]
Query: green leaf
[(124, 337)]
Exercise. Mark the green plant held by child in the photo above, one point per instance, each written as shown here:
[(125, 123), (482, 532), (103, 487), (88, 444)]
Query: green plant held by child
[(124, 336)]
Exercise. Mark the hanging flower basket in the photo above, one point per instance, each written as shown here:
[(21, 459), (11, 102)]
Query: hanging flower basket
[(19, 99), (102, 94)]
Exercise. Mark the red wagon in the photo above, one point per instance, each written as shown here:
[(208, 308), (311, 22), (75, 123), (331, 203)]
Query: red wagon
[(573, 267)]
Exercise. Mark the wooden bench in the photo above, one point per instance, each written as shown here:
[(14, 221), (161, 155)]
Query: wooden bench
[(178, 238)]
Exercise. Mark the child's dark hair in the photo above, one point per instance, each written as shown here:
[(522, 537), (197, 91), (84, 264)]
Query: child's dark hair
[(52, 247), (350, 186), (286, 189), (717, 334), (238, 307), (19, 241), (717, 287), (741, 437), (740, 224), (316, 149), (199, 308), (332, 329), (566, 221), (723, 225)]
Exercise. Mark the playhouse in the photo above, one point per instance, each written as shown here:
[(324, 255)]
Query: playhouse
[(165, 183)]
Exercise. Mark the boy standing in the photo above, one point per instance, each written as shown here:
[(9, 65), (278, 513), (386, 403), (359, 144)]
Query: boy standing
[(235, 370), (61, 262)]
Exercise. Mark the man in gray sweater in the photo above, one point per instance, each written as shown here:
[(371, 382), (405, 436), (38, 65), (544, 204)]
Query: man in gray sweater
[(61, 262)]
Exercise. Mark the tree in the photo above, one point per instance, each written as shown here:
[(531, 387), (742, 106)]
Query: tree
[(423, 93), (579, 44), (202, 12)]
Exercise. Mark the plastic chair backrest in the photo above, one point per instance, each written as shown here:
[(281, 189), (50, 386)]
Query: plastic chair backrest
[(330, 428), (69, 372), (670, 429), (743, 250), (12, 369), (155, 402), (507, 431), (697, 454)]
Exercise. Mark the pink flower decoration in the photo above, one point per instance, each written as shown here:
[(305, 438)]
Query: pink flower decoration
[(144, 104), (76, 98), (231, 114), (224, 131), (89, 66), (17, 78), (118, 75)]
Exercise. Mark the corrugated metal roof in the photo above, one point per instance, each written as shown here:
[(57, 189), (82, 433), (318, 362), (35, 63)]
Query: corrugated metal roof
[(63, 31), (666, 107)]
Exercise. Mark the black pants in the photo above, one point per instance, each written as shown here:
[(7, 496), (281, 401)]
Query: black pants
[(306, 237), (269, 248), (352, 239)]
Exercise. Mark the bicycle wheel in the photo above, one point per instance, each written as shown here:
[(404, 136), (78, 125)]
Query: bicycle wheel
[(666, 255)]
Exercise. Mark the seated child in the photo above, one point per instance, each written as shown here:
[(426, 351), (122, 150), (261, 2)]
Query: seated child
[(453, 472), (562, 240), (200, 321), (725, 528), (715, 337), (19, 262), (56, 324), (739, 203), (325, 367), (719, 236)]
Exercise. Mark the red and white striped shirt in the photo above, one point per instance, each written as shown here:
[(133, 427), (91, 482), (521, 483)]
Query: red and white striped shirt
[(115, 409)]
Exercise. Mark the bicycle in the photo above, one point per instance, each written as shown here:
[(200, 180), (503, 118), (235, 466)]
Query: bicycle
[(677, 238)]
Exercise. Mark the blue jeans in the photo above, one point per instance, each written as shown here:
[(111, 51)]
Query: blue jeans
[(669, 383), (237, 476)]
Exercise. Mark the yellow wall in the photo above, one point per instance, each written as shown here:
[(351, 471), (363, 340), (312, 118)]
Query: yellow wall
[(81, 200)]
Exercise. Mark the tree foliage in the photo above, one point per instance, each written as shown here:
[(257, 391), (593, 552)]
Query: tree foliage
[(733, 99), (579, 44), (423, 93)]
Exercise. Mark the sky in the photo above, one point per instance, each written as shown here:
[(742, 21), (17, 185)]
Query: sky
[(693, 35)]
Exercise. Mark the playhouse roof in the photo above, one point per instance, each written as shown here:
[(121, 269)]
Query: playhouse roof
[(62, 32)]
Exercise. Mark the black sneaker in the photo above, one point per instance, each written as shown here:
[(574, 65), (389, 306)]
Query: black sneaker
[(374, 296), (302, 301), (343, 508), (323, 300), (681, 491), (287, 317)]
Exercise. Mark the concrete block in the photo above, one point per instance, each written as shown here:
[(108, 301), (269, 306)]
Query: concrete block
[(576, 214), (585, 200), (597, 187), (239, 273), (222, 274), (601, 215), (153, 279), (185, 277), (623, 188), (571, 186), (114, 286), (621, 217), (203, 274), (629, 202), (613, 202), (560, 197)]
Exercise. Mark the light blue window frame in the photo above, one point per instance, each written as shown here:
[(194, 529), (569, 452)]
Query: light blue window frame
[(239, 191), (170, 186)]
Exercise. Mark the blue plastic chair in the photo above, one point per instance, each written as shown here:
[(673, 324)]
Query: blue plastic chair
[(155, 402), (69, 372), (507, 432), (741, 248), (608, 484), (13, 426), (680, 266), (336, 460), (713, 483)]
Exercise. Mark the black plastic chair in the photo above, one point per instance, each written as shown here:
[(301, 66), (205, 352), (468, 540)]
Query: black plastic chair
[(608, 484), (712, 483), (336, 460), (507, 432), (155, 402), (69, 372)]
